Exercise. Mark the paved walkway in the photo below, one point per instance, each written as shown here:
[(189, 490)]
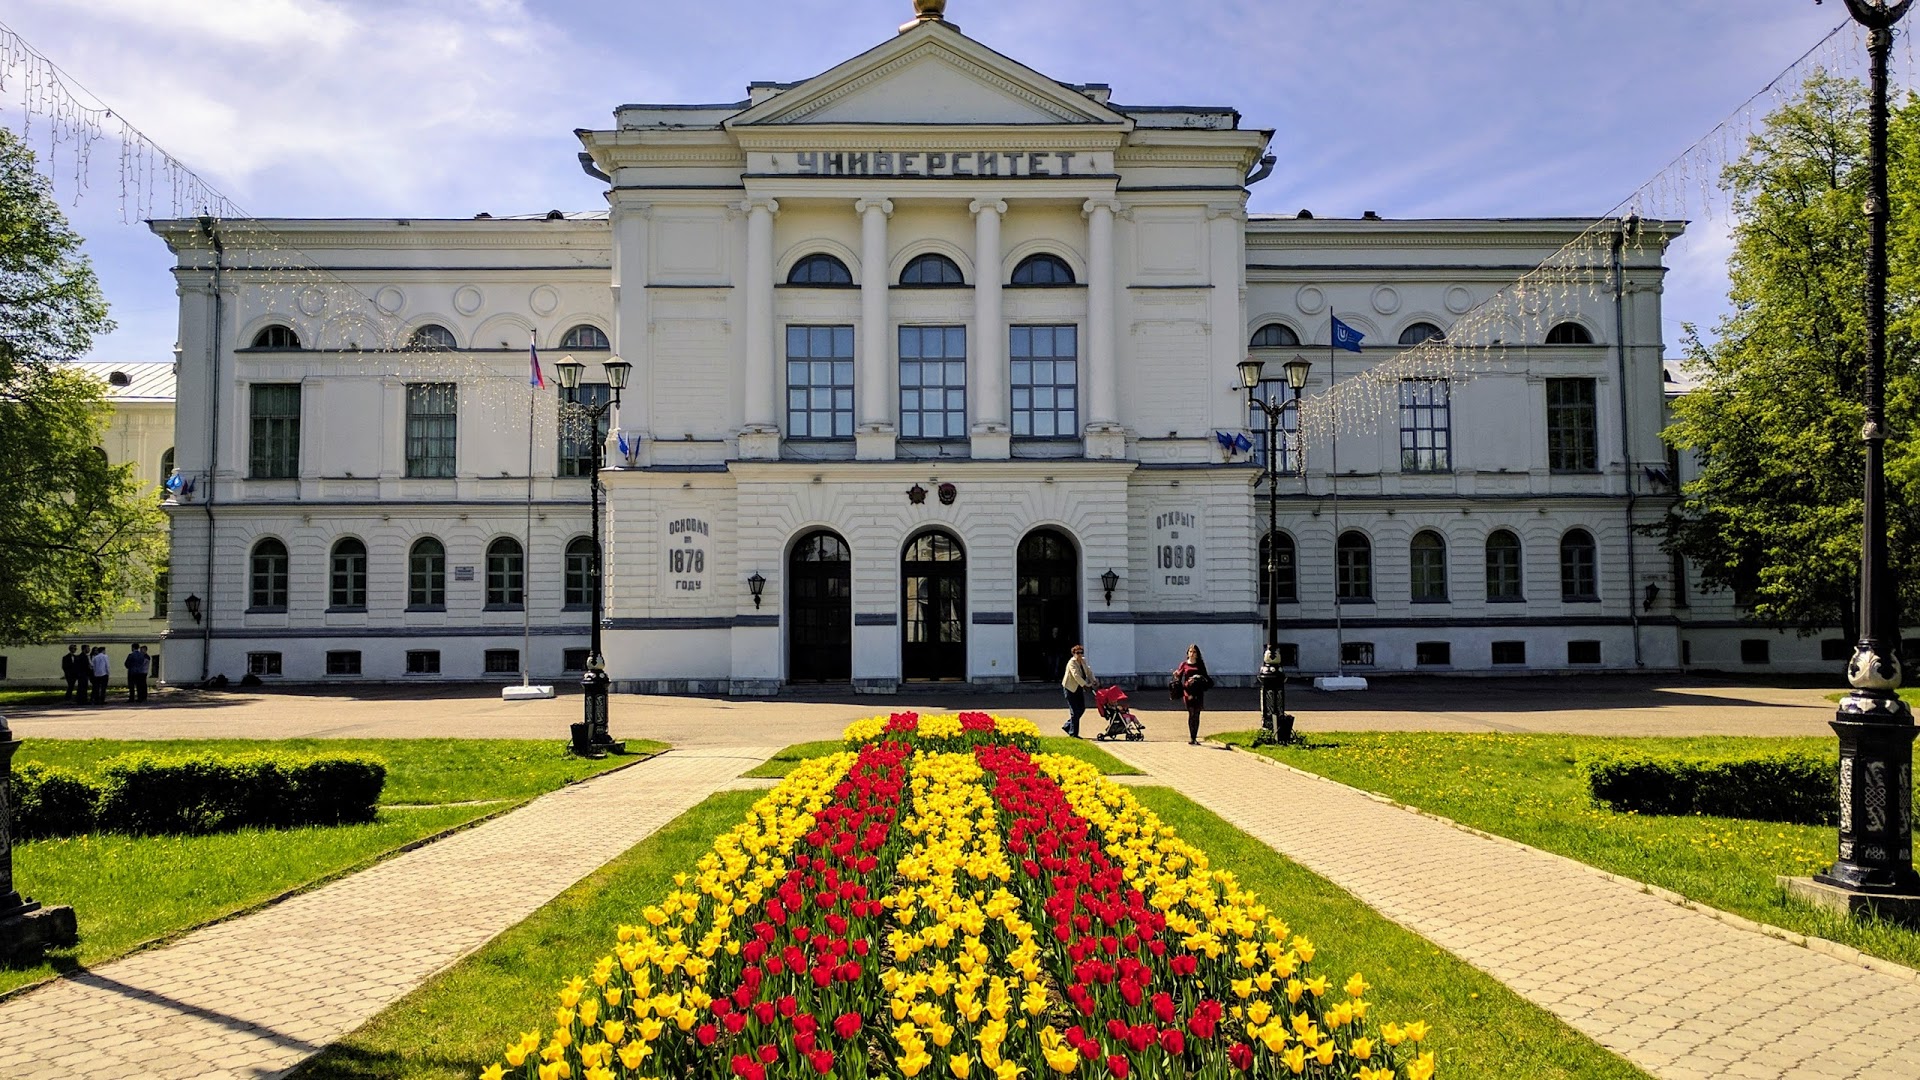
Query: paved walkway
[(254, 996), (1679, 993)]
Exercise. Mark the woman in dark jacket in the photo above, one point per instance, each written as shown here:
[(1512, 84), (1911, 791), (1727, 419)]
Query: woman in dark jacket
[(1192, 679)]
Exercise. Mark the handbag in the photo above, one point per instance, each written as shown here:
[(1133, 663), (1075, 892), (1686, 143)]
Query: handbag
[(1174, 690)]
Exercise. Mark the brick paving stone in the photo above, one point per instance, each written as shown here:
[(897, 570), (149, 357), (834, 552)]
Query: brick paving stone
[(253, 997), (1675, 991)]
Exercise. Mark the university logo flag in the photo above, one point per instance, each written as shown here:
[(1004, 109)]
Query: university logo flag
[(1225, 440), (1346, 337), (1241, 444), (534, 377), (625, 451)]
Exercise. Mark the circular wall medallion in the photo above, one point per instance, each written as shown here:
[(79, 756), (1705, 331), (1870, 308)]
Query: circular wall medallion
[(1310, 299), (544, 300), (389, 300), (1386, 300), (466, 299), (1459, 299), (313, 300)]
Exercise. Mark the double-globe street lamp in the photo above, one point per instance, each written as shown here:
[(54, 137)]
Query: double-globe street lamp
[(590, 737), (1275, 725)]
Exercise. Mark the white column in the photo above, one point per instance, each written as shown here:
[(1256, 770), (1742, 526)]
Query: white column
[(630, 252), (1226, 317), (761, 437), (1104, 435), (874, 436), (987, 352)]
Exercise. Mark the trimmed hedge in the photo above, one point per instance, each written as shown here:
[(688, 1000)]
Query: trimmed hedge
[(1796, 788), (148, 793)]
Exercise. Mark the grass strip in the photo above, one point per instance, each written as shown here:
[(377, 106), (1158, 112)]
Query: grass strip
[(1531, 788), (455, 1024), (1085, 750), (1481, 1029)]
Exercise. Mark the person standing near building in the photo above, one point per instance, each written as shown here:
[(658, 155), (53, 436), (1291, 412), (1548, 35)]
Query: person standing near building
[(137, 666), (1076, 682), (1193, 682), (99, 666), (74, 669)]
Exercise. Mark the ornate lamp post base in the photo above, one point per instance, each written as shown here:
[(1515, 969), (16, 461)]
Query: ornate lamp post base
[(590, 738), (1874, 873), (27, 930), (1276, 723)]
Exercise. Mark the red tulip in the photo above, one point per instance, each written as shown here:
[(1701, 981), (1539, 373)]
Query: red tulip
[(1118, 1064), (769, 1053), (847, 1025), (1173, 1042), (1241, 1055), (706, 1033), (821, 1060)]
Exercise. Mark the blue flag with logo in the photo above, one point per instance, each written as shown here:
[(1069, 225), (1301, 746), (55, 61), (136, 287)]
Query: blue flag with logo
[(1242, 444), (622, 443), (1225, 440), (1346, 337)]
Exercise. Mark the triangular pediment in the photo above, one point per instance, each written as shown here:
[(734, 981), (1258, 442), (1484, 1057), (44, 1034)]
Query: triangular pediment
[(930, 75)]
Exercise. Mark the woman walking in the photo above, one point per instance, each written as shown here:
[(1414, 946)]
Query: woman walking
[(1193, 682), (1075, 683)]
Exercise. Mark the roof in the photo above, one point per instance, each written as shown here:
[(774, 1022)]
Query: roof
[(139, 380)]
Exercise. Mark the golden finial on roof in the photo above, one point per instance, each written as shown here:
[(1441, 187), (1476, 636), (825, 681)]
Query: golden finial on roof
[(926, 11)]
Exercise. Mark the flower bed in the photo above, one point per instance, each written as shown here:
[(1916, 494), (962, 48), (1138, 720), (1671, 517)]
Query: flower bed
[(939, 901)]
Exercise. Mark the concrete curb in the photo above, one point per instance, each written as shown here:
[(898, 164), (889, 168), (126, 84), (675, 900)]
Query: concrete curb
[(1821, 945)]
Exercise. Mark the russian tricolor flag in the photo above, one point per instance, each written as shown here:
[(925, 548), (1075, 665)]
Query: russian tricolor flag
[(534, 377)]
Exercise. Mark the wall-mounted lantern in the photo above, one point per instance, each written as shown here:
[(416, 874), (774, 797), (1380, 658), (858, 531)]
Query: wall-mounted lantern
[(757, 585), (1109, 581)]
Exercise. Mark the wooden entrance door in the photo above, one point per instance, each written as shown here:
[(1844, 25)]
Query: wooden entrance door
[(933, 608), (1047, 599), (820, 610)]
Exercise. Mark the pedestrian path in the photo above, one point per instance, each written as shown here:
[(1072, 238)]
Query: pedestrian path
[(255, 996), (1675, 991)]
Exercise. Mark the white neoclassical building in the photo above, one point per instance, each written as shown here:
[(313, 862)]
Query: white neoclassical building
[(933, 362)]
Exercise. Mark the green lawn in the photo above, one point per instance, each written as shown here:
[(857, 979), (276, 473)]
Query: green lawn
[(1908, 694), (27, 695), (128, 891), (460, 1021), (1086, 750), (1531, 788)]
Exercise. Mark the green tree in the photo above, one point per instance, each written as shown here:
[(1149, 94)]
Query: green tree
[(1774, 513), (78, 537)]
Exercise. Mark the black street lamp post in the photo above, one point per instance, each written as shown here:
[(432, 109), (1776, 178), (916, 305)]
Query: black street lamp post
[(1876, 730), (1276, 726), (590, 737)]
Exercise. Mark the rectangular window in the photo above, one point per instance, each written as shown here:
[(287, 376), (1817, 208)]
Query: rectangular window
[(579, 443), (1045, 366), (1583, 652), (573, 660), (161, 594), (1833, 649), (1425, 433), (933, 382), (1509, 652), (820, 382), (343, 662), (503, 661), (1433, 654), (432, 419), (423, 661), (1680, 581), (3, 667), (1289, 427), (1573, 426), (275, 431), (1754, 650), (1289, 654), (1356, 654), (263, 663)]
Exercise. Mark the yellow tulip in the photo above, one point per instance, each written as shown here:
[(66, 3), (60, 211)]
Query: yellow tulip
[(1421, 1068), (632, 1054), (958, 1066), (1362, 1048), (1295, 1060), (1357, 986), (1417, 1031), (492, 1072), (1324, 1052)]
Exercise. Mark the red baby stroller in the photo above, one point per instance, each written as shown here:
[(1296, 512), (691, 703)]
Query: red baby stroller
[(1121, 723)]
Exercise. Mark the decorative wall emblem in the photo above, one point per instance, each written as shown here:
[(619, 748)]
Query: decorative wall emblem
[(544, 299), (1310, 299), (313, 300), (1386, 300), (389, 300), (917, 495), (466, 299), (948, 493), (1459, 299)]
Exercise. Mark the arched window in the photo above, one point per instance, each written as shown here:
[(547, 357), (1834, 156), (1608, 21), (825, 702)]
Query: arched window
[(277, 336), (267, 579), (1353, 567), (1274, 336), (1579, 576), (1420, 332), (506, 574), (1276, 569), (1569, 333), (166, 464), (579, 572), (427, 575), (1503, 567), (347, 575), (932, 269), (431, 336), (1043, 269), (585, 336), (1427, 564), (819, 268)]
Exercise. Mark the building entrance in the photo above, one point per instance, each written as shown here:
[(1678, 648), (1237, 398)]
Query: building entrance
[(820, 610), (933, 608), (1047, 603)]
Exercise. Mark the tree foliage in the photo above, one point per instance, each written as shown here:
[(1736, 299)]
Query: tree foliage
[(77, 536), (1774, 512)]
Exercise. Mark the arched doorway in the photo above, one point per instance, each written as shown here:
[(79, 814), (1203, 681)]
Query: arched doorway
[(820, 609), (1047, 603), (933, 608)]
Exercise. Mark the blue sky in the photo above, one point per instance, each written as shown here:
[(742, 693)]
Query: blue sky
[(422, 108)]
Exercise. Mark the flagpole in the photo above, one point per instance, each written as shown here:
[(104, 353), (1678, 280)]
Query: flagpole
[(526, 561), (1333, 486)]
